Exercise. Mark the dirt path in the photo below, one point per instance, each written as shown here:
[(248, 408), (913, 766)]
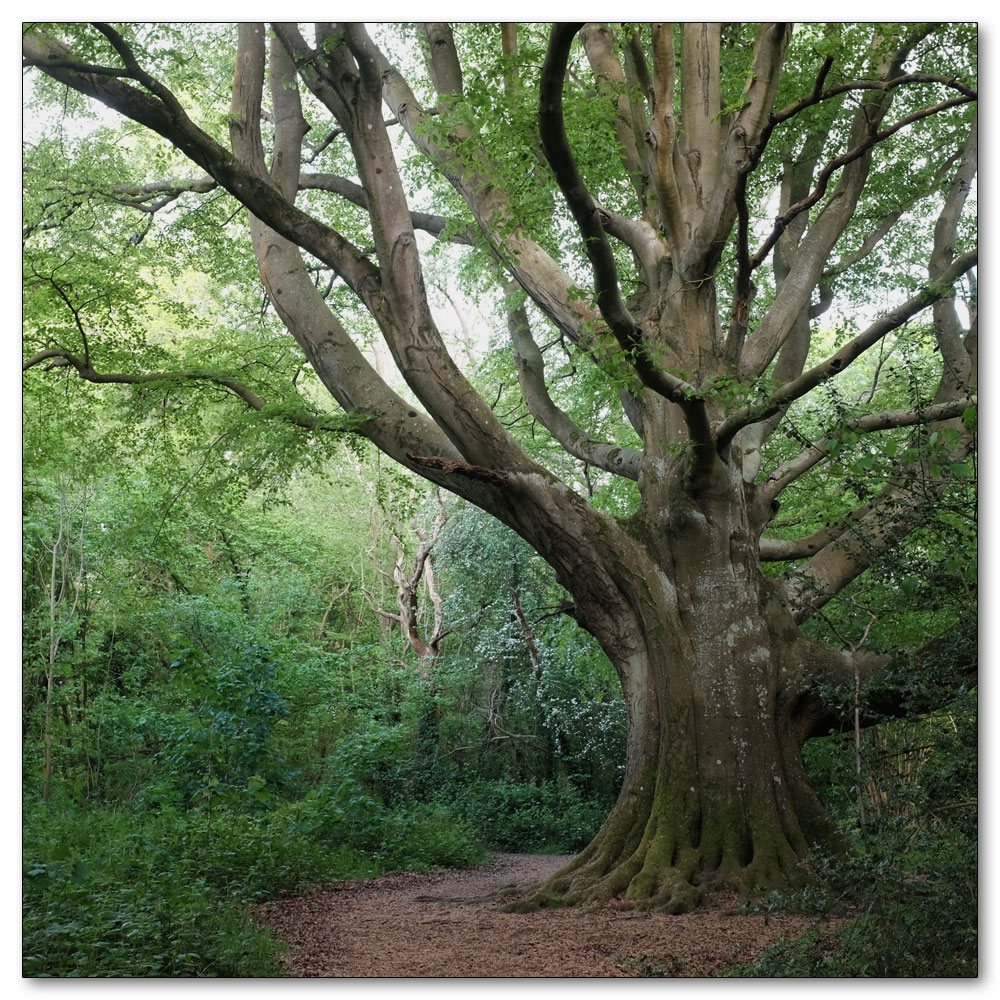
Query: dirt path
[(444, 924)]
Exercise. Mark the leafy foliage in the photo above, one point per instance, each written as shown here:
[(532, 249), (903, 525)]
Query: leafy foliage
[(544, 817), (909, 886), (217, 707)]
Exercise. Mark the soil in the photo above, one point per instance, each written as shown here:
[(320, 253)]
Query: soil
[(452, 924)]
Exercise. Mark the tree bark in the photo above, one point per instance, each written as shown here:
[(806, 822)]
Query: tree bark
[(715, 676)]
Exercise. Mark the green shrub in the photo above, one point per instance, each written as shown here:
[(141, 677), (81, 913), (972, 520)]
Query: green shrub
[(914, 890), (430, 836), (545, 817), (163, 893), (102, 898)]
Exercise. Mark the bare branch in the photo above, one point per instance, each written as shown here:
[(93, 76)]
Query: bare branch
[(407, 582)]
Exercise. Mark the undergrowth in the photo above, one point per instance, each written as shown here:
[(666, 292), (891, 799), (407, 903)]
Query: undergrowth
[(133, 893), (910, 884)]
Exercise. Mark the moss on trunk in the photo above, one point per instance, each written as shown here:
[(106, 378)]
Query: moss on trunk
[(715, 792)]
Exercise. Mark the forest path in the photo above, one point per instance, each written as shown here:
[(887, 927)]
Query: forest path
[(446, 924)]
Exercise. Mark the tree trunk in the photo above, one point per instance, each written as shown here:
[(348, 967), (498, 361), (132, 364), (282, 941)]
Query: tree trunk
[(712, 667)]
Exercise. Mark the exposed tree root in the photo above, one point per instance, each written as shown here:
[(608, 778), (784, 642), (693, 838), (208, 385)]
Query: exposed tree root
[(660, 874)]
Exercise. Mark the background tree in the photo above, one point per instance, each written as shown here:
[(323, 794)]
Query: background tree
[(637, 238)]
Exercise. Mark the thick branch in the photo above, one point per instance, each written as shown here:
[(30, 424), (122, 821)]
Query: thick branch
[(661, 137), (412, 335), (640, 237), (475, 180), (959, 363), (701, 102), (508, 46), (787, 549), (639, 88), (392, 424), (907, 497), (718, 206), (901, 507), (445, 69), (141, 196), (531, 376), (587, 217)]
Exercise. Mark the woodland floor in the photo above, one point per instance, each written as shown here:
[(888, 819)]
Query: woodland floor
[(447, 924)]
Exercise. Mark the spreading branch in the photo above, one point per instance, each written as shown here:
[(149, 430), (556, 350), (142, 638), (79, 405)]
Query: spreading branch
[(142, 197), (60, 358), (531, 376), (843, 160), (853, 349), (789, 471), (814, 244), (158, 111), (867, 533)]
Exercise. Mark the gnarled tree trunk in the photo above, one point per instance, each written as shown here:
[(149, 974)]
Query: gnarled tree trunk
[(714, 671)]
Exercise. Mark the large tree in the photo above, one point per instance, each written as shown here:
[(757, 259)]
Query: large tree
[(677, 206)]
